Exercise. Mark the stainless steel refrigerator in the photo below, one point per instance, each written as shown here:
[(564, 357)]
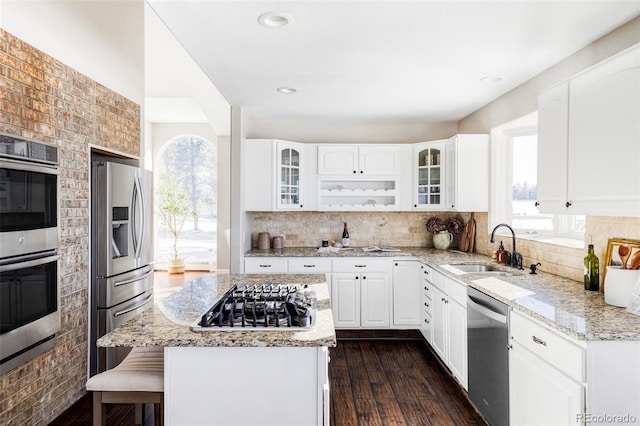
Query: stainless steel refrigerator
[(121, 264)]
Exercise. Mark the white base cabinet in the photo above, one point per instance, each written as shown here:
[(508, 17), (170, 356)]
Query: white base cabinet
[(546, 375), (540, 394), (426, 293), (407, 280), (201, 389), (360, 300), (449, 330)]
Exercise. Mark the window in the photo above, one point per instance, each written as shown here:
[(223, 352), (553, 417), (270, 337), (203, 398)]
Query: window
[(514, 184), (191, 161)]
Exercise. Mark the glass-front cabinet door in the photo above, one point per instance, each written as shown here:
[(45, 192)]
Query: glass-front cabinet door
[(290, 162), (429, 176)]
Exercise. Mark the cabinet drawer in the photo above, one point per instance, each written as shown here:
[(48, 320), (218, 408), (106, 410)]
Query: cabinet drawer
[(438, 279), (549, 345), (309, 265), (427, 305), (457, 291), (361, 264), (257, 265)]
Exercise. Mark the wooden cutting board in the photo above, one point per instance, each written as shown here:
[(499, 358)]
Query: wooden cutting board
[(472, 233)]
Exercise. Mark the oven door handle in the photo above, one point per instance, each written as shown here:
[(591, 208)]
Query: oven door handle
[(496, 316), (133, 308), (28, 167), (133, 280), (28, 262)]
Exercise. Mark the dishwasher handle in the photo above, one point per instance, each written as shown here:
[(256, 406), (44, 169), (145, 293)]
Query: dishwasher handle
[(486, 311)]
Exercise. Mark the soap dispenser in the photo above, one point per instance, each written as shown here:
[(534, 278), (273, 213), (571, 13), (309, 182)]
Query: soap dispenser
[(501, 254)]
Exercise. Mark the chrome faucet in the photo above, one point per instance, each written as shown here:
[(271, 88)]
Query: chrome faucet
[(516, 258)]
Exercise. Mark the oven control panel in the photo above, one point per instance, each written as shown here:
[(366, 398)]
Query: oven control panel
[(28, 150)]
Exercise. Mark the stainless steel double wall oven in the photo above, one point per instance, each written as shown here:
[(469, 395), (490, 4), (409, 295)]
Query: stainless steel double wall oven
[(29, 241)]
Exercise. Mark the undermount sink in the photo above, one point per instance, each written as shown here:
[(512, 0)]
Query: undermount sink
[(474, 268)]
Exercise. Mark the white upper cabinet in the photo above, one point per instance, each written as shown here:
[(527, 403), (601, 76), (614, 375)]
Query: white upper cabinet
[(277, 176), (289, 177), (601, 141), (357, 160), (467, 173), (428, 178), (553, 133)]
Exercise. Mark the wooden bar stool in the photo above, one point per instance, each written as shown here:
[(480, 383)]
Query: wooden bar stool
[(138, 379)]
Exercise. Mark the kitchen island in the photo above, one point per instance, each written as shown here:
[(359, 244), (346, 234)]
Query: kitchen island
[(236, 377)]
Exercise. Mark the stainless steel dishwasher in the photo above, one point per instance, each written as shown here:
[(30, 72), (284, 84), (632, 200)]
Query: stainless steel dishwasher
[(488, 344)]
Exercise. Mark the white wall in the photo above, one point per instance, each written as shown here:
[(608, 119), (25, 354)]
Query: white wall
[(352, 132), (524, 99), (102, 39)]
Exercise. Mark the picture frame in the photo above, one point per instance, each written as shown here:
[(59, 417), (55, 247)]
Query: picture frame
[(612, 258)]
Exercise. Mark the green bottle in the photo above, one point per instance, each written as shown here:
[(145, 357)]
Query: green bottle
[(591, 271)]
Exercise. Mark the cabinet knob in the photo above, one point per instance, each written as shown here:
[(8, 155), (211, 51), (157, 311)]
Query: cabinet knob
[(300, 205), (567, 204), (354, 171), (426, 320), (537, 203), (396, 263), (361, 172), (426, 288), (364, 278), (426, 304), (415, 205)]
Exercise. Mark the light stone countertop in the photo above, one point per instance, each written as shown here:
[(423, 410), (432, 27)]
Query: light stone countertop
[(558, 302), (168, 322)]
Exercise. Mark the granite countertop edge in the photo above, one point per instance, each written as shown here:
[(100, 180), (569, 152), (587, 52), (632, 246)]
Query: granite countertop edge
[(559, 303), (168, 322)]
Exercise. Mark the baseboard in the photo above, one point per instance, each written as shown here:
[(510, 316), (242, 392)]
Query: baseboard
[(378, 334)]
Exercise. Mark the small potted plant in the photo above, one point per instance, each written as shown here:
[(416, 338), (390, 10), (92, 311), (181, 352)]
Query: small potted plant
[(174, 209)]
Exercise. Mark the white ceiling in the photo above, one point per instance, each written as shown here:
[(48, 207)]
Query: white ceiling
[(364, 60)]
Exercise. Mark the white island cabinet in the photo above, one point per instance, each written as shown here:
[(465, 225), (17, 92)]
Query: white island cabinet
[(233, 386)]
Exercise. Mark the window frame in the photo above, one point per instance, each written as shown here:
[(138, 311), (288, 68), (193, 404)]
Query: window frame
[(501, 183)]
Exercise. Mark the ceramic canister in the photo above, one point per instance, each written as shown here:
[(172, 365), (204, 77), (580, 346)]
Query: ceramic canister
[(277, 242), (264, 241), (619, 284)]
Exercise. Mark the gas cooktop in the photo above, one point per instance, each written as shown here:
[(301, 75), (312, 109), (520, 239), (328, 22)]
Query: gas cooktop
[(266, 307)]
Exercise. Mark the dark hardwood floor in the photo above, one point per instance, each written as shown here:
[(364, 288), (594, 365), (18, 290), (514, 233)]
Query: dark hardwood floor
[(394, 382), (376, 378)]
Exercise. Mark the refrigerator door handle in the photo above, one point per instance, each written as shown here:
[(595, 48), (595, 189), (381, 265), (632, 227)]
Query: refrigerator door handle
[(139, 213), (133, 308), (136, 279)]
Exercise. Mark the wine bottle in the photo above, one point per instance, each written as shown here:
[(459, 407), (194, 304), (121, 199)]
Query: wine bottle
[(345, 236), (591, 271)]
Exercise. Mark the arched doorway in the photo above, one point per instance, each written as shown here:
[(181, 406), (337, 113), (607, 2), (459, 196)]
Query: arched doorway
[(190, 161)]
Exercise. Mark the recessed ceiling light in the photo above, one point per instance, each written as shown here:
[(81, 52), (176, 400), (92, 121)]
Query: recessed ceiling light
[(491, 79), (275, 19), (286, 90)]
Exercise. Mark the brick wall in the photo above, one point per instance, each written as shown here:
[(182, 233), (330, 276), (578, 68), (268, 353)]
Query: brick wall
[(42, 99)]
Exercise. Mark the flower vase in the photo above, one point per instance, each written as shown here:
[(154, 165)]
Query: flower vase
[(442, 240)]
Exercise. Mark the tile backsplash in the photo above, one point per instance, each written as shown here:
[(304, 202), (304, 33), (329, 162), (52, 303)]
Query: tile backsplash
[(408, 229), (307, 229)]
